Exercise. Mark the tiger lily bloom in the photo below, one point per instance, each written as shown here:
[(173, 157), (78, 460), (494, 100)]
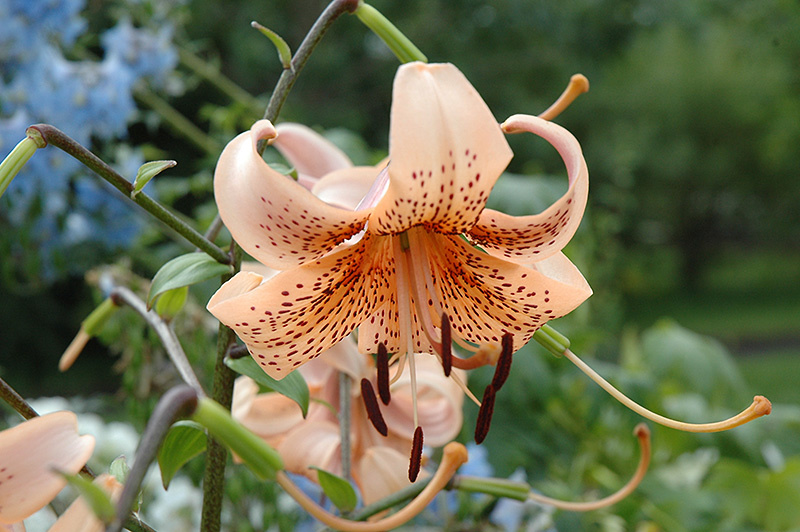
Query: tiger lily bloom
[(379, 463), (31, 453), (419, 261)]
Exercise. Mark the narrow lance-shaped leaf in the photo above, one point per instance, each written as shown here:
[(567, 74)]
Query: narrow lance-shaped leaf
[(184, 441), (292, 386), (147, 172), (184, 271), (97, 499), (338, 490), (284, 52)]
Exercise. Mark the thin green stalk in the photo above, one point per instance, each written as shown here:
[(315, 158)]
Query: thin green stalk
[(15, 401), (344, 422), (59, 139), (179, 123), (289, 75), (222, 393), (216, 78)]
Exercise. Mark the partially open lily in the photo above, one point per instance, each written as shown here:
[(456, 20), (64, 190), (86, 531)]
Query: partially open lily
[(30, 455), (379, 464), (411, 266)]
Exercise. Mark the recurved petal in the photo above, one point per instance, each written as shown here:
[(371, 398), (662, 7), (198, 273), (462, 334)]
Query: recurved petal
[(296, 315), (486, 297), (439, 401), (309, 152), (29, 452), (79, 517), (276, 220), (446, 152), (380, 472), (526, 239), (314, 443), (346, 188), (270, 415)]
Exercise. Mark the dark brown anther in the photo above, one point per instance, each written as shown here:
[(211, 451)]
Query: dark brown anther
[(416, 455), (503, 367), (485, 414), (382, 362), (373, 410), (447, 345)]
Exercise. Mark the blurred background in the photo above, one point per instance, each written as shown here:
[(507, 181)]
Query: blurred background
[(691, 240)]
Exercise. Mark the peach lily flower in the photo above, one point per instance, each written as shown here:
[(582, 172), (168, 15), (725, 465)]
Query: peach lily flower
[(379, 464), (29, 454), (409, 266)]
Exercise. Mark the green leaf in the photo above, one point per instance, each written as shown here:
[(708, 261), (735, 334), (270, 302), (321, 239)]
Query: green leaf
[(119, 469), (338, 490), (184, 271), (97, 499), (184, 441), (147, 172), (284, 52), (171, 302), (292, 386)]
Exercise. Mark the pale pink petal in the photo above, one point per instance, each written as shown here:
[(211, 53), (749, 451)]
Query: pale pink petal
[(439, 402), (380, 472), (526, 239), (28, 454), (346, 188), (298, 314), (346, 358), (274, 219), (309, 152), (486, 297), (270, 415), (79, 517), (12, 527), (446, 152), (312, 444)]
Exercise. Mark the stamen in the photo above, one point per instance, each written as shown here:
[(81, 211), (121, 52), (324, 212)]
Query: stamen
[(485, 355), (73, 350), (503, 367), (376, 191), (447, 346), (373, 409), (759, 407), (578, 84), (401, 364), (466, 346), (382, 363), (455, 455), (485, 414), (416, 455), (643, 434)]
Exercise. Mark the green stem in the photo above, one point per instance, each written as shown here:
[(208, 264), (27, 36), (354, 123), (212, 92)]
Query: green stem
[(216, 78), (498, 487), (60, 140), (289, 75), (179, 123), (399, 44), (344, 422), (222, 393), (15, 401)]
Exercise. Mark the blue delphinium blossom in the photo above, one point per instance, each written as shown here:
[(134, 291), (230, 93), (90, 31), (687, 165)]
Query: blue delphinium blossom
[(54, 198)]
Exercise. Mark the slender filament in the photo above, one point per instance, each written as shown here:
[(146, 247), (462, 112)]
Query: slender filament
[(578, 84), (455, 454), (643, 435), (759, 407)]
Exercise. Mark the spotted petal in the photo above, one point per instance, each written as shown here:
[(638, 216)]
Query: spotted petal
[(311, 154), (299, 313), (526, 239), (446, 152), (486, 297), (29, 452), (274, 219)]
